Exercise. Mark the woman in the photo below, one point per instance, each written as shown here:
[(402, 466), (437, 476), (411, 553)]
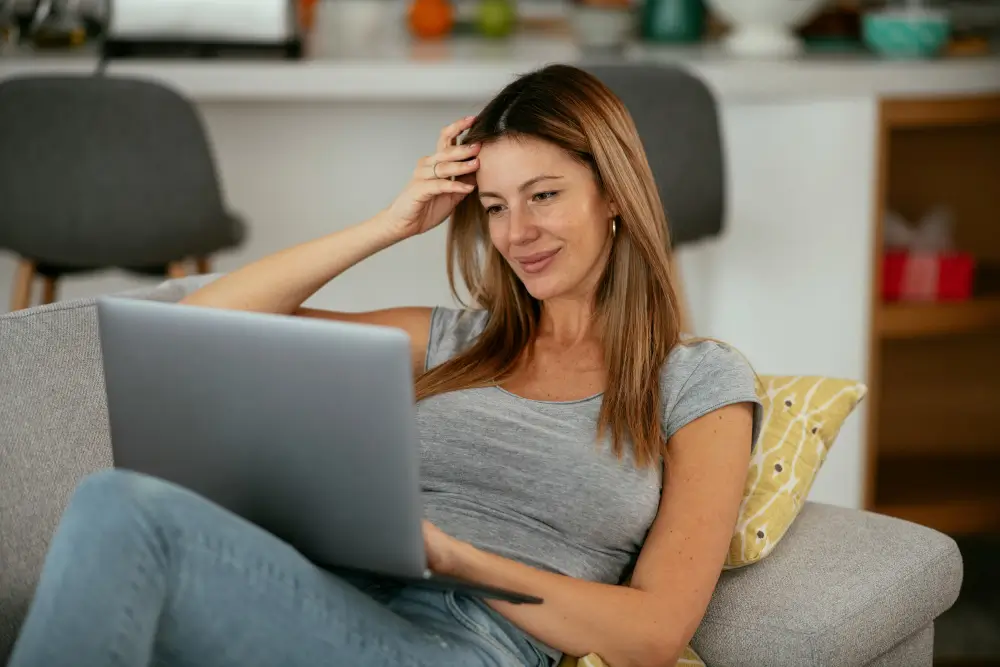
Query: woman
[(570, 442)]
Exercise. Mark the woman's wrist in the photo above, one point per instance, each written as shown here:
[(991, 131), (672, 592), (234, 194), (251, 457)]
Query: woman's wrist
[(386, 228), (462, 561)]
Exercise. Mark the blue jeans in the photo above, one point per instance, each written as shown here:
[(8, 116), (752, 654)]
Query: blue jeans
[(143, 572)]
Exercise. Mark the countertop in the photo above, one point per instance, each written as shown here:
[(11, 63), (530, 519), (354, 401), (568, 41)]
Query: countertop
[(472, 69)]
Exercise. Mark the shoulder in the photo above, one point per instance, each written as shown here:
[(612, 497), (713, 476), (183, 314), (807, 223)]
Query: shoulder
[(699, 356), (452, 330), (704, 375)]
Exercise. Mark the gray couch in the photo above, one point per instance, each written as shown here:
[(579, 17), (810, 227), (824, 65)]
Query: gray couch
[(843, 588)]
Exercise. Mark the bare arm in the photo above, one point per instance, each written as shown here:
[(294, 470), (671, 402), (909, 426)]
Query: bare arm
[(282, 282), (649, 623)]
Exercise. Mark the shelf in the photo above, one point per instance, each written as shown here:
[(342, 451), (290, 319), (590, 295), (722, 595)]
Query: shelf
[(969, 517), (916, 320), (958, 496), (934, 369), (922, 113)]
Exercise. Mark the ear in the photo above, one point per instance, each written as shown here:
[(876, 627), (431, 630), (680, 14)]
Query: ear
[(613, 209)]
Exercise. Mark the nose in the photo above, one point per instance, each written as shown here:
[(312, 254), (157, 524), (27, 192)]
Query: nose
[(522, 229)]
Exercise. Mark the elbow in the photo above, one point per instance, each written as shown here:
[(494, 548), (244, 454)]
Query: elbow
[(192, 299)]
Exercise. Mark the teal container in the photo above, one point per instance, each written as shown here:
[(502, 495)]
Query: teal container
[(903, 34), (673, 21)]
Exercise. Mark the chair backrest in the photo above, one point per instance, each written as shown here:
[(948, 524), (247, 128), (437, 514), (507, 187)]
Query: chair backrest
[(104, 171), (678, 122)]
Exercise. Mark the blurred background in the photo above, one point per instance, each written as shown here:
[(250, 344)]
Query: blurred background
[(857, 187)]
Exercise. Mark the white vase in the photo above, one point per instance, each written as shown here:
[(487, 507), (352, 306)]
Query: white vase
[(764, 28), (602, 28)]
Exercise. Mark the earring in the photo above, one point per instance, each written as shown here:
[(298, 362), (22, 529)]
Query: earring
[(614, 225)]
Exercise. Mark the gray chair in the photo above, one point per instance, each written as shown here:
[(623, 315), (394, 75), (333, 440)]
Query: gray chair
[(677, 118), (105, 172), (678, 122)]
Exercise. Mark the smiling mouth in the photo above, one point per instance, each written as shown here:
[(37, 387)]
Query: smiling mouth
[(537, 262)]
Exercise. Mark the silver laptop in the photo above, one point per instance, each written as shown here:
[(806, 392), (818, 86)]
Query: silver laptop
[(303, 427)]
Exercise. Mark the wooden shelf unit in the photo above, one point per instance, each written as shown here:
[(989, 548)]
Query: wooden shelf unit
[(914, 319), (940, 112), (933, 432), (955, 495)]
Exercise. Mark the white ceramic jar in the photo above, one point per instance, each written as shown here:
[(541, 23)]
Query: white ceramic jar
[(602, 28), (764, 28)]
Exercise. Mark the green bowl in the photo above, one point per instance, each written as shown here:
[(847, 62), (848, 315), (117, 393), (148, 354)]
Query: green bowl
[(906, 34)]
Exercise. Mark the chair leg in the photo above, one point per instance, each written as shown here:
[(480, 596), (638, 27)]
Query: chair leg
[(684, 313), (176, 270), (23, 280), (203, 265), (50, 286)]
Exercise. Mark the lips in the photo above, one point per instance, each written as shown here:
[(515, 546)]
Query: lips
[(537, 262)]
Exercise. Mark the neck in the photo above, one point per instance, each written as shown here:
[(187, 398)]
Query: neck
[(568, 320), (572, 318)]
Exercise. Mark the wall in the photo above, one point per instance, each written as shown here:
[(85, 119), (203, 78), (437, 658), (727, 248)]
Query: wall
[(788, 284)]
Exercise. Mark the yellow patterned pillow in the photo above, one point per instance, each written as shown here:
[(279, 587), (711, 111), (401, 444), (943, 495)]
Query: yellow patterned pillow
[(802, 417)]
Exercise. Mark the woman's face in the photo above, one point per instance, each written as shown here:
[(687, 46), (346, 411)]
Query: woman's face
[(546, 215)]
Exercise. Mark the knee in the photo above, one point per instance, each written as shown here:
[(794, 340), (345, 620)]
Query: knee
[(115, 512), (115, 493), (115, 484)]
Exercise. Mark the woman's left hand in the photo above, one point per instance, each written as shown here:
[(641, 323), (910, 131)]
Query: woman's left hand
[(443, 551)]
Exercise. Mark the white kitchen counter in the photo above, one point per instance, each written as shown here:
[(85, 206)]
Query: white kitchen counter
[(471, 70)]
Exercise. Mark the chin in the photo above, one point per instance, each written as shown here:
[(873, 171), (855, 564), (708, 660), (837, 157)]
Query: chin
[(544, 287)]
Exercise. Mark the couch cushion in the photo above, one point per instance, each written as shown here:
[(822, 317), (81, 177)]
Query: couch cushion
[(842, 588), (917, 650), (53, 431)]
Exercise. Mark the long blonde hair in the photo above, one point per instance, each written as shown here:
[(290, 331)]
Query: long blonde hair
[(635, 300)]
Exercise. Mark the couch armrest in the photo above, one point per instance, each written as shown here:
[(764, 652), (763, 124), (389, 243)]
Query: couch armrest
[(842, 588)]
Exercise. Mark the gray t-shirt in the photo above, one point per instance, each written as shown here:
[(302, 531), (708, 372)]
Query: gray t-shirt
[(528, 480)]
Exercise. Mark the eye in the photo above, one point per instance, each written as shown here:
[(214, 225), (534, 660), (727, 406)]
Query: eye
[(494, 210), (544, 196)]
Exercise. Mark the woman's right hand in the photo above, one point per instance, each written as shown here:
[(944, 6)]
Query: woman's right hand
[(431, 195)]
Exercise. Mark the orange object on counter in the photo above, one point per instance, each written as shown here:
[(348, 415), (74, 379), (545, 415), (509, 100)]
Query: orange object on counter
[(431, 19), (307, 14), (964, 47)]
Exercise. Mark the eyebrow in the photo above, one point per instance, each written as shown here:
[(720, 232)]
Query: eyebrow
[(524, 186)]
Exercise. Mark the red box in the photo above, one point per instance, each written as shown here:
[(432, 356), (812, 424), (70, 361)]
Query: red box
[(910, 276)]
